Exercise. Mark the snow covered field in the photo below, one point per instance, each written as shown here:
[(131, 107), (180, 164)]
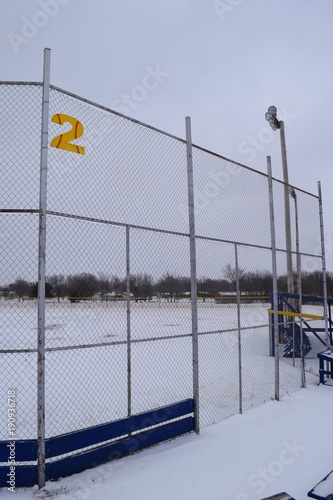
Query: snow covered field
[(279, 446), (88, 386), (94, 379)]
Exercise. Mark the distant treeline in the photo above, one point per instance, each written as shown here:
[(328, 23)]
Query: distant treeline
[(168, 285)]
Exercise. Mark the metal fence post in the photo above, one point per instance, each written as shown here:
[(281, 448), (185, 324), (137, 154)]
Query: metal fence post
[(128, 305), (323, 260), (274, 269), (270, 339), (299, 278), (240, 382), (41, 272), (193, 273)]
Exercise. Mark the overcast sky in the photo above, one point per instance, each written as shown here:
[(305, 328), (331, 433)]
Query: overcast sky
[(220, 62)]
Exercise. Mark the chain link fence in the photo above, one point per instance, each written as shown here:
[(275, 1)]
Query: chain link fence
[(118, 309), (20, 159)]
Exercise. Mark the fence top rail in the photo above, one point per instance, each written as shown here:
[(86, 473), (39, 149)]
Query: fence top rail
[(36, 84), (172, 136), (263, 174), (110, 110), (143, 124)]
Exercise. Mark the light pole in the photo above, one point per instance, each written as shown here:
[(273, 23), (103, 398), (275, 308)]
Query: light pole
[(294, 196), (299, 290), (279, 125)]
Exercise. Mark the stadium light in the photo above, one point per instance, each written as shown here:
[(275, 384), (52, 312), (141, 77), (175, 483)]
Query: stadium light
[(294, 196), (271, 117)]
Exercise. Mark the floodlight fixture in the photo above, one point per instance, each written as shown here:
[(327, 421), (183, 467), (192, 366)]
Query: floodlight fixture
[(274, 123), (271, 117), (272, 110)]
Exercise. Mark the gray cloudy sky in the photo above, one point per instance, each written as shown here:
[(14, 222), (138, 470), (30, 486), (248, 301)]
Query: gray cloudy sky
[(220, 62)]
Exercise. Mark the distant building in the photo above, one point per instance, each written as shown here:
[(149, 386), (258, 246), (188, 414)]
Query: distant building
[(245, 297)]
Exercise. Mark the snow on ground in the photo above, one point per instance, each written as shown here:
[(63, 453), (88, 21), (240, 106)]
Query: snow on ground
[(95, 379), (278, 446)]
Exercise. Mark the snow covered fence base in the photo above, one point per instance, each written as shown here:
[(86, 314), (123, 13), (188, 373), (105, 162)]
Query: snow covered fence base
[(84, 449)]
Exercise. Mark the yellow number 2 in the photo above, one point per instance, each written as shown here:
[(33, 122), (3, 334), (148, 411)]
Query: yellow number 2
[(62, 141)]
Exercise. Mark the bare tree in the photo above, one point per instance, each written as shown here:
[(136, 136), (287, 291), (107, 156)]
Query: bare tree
[(230, 274), (58, 285), (81, 285), (141, 286), (22, 288)]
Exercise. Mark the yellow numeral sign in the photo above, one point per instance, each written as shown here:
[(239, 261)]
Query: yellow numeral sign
[(62, 141)]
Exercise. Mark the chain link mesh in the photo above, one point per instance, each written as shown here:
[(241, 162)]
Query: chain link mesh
[(20, 124), (125, 173), (231, 203), (257, 366), (118, 287)]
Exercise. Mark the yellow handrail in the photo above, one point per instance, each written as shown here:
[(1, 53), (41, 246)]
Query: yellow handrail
[(296, 315)]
